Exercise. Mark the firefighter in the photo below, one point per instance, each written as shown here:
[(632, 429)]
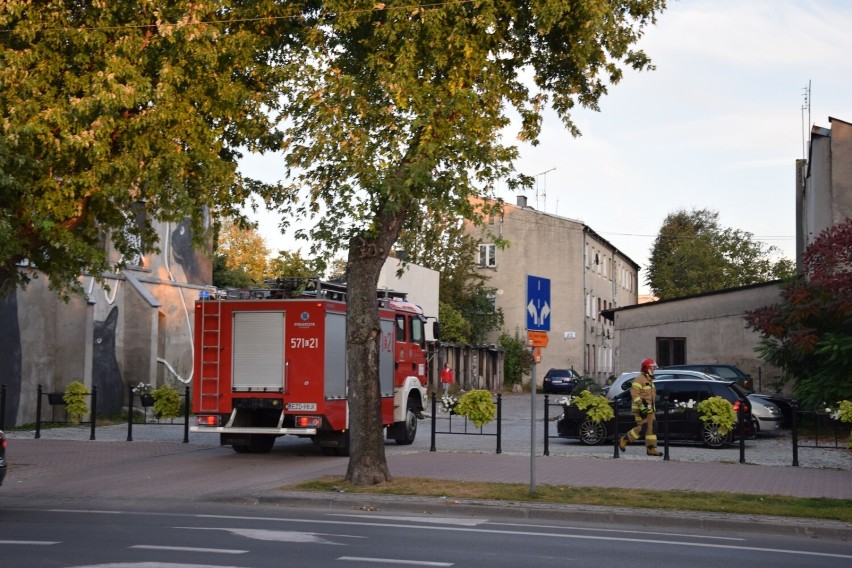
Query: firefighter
[(643, 394)]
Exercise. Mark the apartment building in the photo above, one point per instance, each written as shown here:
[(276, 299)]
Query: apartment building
[(587, 274)]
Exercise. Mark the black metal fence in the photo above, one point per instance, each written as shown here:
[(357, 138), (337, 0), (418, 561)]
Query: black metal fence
[(465, 429), (57, 400), (823, 433), (131, 396)]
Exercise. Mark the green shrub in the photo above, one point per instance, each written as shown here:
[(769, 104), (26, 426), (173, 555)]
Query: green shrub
[(75, 401), (717, 410), (597, 407), (477, 406), (166, 401)]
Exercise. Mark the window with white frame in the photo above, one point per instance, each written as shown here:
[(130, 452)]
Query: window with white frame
[(488, 255)]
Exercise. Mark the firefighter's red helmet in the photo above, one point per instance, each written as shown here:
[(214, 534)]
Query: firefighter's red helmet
[(648, 364)]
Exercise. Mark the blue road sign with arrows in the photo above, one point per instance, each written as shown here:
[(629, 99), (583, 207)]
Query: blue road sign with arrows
[(538, 303)]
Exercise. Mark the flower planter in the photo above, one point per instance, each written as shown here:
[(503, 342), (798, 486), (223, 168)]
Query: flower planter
[(56, 398)]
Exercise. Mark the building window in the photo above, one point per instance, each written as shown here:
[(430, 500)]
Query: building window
[(671, 351), (488, 255)]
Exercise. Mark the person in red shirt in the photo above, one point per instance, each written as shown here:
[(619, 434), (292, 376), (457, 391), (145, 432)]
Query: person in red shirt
[(446, 377)]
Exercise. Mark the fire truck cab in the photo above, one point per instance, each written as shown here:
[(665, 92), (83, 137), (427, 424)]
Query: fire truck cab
[(276, 366)]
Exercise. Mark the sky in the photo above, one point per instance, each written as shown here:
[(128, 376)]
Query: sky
[(718, 125)]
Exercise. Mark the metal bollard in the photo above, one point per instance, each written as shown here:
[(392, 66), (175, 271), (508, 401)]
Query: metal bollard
[(500, 423), (38, 413), (615, 451), (94, 410), (130, 414), (742, 429), (186, 416), (546, 425), (434, 425), (666, 428)]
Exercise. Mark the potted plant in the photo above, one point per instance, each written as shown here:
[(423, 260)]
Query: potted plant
[(597, 407), (144, 392), (716, 410), (842, 411), (477, 406)]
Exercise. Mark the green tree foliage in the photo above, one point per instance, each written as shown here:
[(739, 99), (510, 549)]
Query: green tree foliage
[(244, 251), (289, 264), (478, 309), (439, 242), (693, 254), (393, 108), (517, 360), (118, 111), (224, 277), (809, 332), (454, 327)]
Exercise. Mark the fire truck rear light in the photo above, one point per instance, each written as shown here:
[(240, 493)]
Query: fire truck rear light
[(307, 422), (212, 421)]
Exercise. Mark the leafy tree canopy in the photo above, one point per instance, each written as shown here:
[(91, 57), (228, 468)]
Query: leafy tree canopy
[(454, 327), (809, 332), (440, 243), (290, 264), (109, 107), (394, 108), (244, 250), (693, 254)]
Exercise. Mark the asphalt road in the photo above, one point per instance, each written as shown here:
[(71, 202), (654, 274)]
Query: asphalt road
[(228, 536)]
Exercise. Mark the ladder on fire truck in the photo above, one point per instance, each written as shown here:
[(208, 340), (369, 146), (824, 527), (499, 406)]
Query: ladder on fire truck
[(211, 353)]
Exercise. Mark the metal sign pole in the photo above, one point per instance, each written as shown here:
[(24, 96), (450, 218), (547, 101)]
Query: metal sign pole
[(532, 422)]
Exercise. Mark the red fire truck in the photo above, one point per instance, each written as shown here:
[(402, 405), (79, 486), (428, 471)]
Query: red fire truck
[(271, 366)]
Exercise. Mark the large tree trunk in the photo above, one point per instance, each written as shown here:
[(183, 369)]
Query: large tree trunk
[(367, 254)]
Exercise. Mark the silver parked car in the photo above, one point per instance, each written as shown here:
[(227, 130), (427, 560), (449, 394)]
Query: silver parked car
[(622, 383), (766, 415)]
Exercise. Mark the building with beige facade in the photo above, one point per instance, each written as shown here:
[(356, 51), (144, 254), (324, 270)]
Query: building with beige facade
[(587, 274), (823, 183)]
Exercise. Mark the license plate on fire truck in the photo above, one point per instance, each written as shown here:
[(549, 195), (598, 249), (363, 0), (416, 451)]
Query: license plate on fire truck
[(303, 406)]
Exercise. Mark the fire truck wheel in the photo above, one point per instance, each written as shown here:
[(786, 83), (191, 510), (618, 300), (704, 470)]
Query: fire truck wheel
[(405, 432)]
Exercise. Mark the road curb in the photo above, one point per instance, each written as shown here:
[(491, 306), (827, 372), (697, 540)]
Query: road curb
[(660, 519)]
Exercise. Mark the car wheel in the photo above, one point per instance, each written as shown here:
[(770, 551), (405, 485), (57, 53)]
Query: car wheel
[(592, 433), (756, 425), (712, 436)]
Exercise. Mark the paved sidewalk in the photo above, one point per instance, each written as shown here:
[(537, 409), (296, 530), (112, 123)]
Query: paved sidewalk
[(65, 468), (633, 469)]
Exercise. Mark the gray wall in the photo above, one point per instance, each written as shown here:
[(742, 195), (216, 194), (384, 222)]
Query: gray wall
[(712, 324)]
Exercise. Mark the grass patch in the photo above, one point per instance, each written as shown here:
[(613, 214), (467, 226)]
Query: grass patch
[(781, 506)]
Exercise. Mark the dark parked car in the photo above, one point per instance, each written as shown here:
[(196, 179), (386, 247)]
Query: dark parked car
[(683, 425), (560, 381), (727, 372), (734, 373), (2, 456)]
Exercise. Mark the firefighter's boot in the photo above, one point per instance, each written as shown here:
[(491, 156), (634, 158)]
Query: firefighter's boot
[(652, 451), (622, 443)]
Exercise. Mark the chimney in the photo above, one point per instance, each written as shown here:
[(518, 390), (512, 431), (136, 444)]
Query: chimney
[(522, 201)]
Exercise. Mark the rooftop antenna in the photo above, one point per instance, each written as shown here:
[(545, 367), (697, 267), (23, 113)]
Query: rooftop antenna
[(544, 190), (806, 105)]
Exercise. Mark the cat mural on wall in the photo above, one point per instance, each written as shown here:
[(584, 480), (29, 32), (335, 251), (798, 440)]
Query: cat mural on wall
[(106, 374), (197, 264)]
